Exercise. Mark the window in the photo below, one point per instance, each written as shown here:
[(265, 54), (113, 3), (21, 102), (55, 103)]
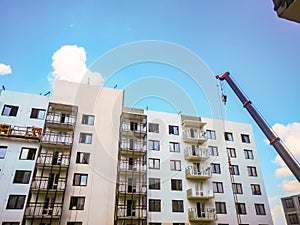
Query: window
[(3, 150), (210, 134), (83, 158), (228, 136), (80, 179), (255, 188), (77, 203), (260, 209), (133, 126), (27, 153), (248, 154), (22, 177), (154, 145), (10, 223), (231, 152), (293, 218), (178, 223), (237, 188), (213, 150), (173, 130), (289, 203), (74, 223), (154, 223), (176, 185), (240, 208), (215, 168), (252, 171), (174, 147), (16, 202), (245, 138), (154, 163), (154, 183), (88, 119), (85, 138), (154, 205), (220, 207), (177, 206), (37, 113), (218, 187), (175, 165), (153, 127), (10, 110), (234, 169)]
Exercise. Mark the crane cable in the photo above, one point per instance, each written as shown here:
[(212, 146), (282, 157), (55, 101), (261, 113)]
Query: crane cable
[(230, 169)]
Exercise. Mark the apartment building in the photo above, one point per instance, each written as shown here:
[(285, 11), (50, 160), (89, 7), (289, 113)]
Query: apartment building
[(291, 208), (98, 162)]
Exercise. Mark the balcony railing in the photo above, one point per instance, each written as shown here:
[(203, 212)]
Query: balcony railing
[(129, 212), (55, 138), (39, 209), (20, 131), (192, 172), (194, 194), (138, 146), (62, 119), (140, 129), (40, 183), (196, 153), (126, 165), (208, 214), (138, 189), (53, 160), (194, 136)]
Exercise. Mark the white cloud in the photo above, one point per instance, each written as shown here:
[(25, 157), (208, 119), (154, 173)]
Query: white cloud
[(5, 69), (290, 135), (291, 187), (69, 64), (278, 215)]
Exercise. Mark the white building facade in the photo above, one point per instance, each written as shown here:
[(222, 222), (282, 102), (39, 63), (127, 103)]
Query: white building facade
[(100, 163)]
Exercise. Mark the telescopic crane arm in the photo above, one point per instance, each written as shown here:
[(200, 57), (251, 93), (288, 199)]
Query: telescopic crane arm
[(274, 140)]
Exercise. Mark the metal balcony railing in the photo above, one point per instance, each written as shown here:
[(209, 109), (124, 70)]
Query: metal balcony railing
[(208, 214), (197, 194), (126, 165), (127, 188), (194, 136), (39, 209), (53, 160), (198, 173), (59, 118), (42, 183), (55, 138), (135, 146), (196, 153), (132, 212)]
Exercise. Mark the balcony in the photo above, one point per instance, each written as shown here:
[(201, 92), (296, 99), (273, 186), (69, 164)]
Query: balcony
[(48, 184), (53, 160), (134, 147), (131, 167), (194, 136), (131, 213), (288, 9), (208, 215), (134, 129), (199, 195), (60, 121), (135, 190), (196, 154), (57, 139), (203, 173), (191, 121), (38, 210)]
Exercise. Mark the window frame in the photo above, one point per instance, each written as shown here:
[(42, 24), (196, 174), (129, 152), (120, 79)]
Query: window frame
[(260, 209), (154, 164), (85, 120), (247, 155), (231, 152), (80, 160), (153, 127), (220, 207), (22, 177), (35, 113), (215, 168), (154, 205), (234, 169), (176, 185), (154, 183), (210, 134), (83, 138), (174, 146), (289, 203), (173, 129), (293, 218), (173, 165), (241, 208), (177, 206), (3, 150), (74, 223), (218, 187), (154, 145), (252, 172), (16, 201), (213, 150), (13, 110), (74, 202), (228, 136), (245, 138), (31, 152), (237, 188), (79, 181), (255, 189)]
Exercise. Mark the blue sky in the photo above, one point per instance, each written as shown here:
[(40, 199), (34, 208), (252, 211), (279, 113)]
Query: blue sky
[(244, 37)]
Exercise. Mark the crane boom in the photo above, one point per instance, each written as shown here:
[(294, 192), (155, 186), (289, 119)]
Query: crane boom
[(274, 140)]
